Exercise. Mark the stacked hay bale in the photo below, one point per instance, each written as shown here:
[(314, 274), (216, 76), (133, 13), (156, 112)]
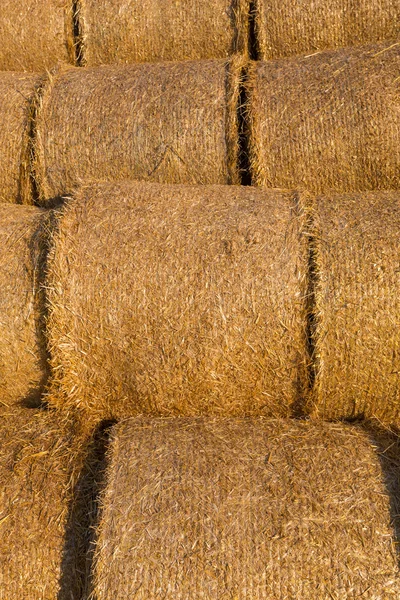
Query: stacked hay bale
[(35, 34), (178, 300), (357, 305), (126, 32), (327, 121), (37, 464), (220, 508), (166, 122), (290, 27), (23, 357), (17, 91)]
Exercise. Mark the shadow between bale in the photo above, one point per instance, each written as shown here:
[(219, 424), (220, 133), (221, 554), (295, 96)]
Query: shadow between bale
[(83, 517)]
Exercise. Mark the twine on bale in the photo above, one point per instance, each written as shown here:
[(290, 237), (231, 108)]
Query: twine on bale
[(23, 357), (125, 32), (355, 241), (178, 300), (327, 121), (164, 122), (246, 508), (35, 34), (292, 27)]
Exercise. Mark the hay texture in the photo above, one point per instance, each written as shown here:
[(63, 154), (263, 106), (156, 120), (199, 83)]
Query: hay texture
[(165, 122), (357, 298), (329, 121), (35, 34), (178, 300), (225, 508), (16, 95), (115, 31), (22, 345), (290, 27), (35, 474)]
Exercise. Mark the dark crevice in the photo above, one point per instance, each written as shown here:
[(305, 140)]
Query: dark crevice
[(253, 45), (34, 104), (77, 33), (243, 131), (83, 518), (312, 284)]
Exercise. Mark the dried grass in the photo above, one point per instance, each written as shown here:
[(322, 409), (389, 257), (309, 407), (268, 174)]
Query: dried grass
[(23, 356), (122, 31), (357, 339), (224, 508), (329, 121), (164, 122), (16, 96), (35, 34), (290, 27), (178, 300)]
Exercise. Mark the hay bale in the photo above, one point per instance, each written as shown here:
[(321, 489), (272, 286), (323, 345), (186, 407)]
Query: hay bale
[(290, 27), (330, 121), (16, 95), (178, 300), (165, 122), (23, 358), (35, 34), (36, 462), (357, 338), (225, 508), (125, 32)]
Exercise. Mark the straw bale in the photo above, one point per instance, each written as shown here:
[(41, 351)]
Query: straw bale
[(357, 338), (127, 31), (178, 300), (164, 122), (247, 508), (16, 95), (35, 34), (35, 472), (23, 359), (329, 121), (290, 27)]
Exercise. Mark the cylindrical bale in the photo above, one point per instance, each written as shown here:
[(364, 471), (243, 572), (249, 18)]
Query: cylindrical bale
[(36, 462), (357, 305), (178, 300), (17, 91), (246, 508), (22, 344), (329, 121), (115, 31), (35, 34), (293, 27), (164, 122)]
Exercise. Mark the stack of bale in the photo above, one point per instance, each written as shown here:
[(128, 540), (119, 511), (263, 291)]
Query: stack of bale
[(208, 328)]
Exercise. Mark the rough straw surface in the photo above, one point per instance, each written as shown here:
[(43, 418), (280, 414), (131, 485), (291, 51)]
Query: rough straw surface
[(22, 347), (246, 509), (290, 27), (357, 270), (127, 31), (329, 121), (164, 122), (35, 474), (16, 94), (35, 34), (178, 300)]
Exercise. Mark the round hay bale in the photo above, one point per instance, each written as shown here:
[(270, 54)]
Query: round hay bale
[(17, 91), (357, 305), (36, 462), (126, 32), (178, 300), (35, 34), (164, 122), (23, 358), (329, 121), (290, 27), (225, 508)]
